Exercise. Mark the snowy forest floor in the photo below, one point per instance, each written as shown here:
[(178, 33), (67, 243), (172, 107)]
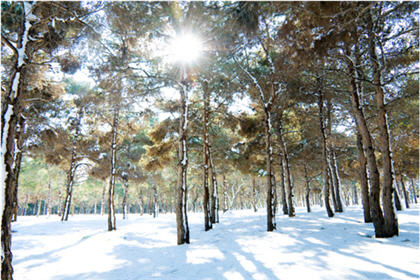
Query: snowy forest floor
[(309, 246)]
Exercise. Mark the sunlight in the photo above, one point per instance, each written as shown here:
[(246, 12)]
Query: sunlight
[(185, 48)]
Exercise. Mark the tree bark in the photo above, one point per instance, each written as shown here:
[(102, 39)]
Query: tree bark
[(155, 202), (390, 218), (406, 198), (288, 175), (271, 215), (124, 201), (336, 179), (19, 139), (103, 199), (307, 189), (413, 190), (324, 154), (111, 190), (206, 194), (282, 188), (215, 193), (183, 232), (363, 179)]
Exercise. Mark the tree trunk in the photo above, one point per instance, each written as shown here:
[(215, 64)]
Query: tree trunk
[(38, 208), (215, 193), (271, 214), (374, 200), (406, 198), (49, 197), (155, 202), (124, 202), (324, 154), (11, 108), (390, 218), (282, 188), (336, 180), (397, 200), (19, 139), (111, 204), (413, 190), (103, 199), (363, 179), (72, 170), (285, 164), (254, 194), (307, 189), (183, 232), (206, 194), (225, 195)]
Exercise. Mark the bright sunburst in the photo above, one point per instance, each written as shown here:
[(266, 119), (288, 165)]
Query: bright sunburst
[(185, 48)]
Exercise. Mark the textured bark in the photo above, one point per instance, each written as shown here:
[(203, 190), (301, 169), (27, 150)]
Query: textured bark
[(374, 199), (336, 179), (397, 200), (271, 215), (225, 196), (111, 190), (254, 194), (324, 155), (206, 194), (282, 188), (155, 202), (390, 218), (363, 179), (307, 189), (183, 233)]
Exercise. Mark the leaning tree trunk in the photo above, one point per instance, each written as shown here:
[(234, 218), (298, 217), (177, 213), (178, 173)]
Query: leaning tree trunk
[(406, 198), (397, 200), (72, 170), (124, 201), (413, 190), (206, 194), (11, 108), (20, 130), (390, 218), (374, 200), (215, 194), (183, 232), (111, 190), (324, 155), (282, 188), (307, 189), (363, 179)]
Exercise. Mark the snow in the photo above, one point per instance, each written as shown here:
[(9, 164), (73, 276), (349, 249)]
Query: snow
[(308, 246)]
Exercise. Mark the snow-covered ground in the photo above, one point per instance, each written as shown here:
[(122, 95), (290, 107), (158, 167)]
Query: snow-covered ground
[(309, 246)]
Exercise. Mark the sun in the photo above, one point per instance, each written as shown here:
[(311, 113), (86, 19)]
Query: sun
[(185, 48)]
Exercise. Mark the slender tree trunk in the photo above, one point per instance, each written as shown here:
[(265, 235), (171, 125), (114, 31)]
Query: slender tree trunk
[(307, 189), (215, 192), (111, 204), (374, 200), (363, 179), (324, 154), (103, 199), (124, 202), (282, 188), (332, 190), (38, 209), (413, 190), (155, 202), (183, 232), (72, 170), (397, 200), (336, 180), (225, 195), (49, 197), (206, 193), (254, 194), (271, 215), (406, 198), (288, 175), (390, 218)]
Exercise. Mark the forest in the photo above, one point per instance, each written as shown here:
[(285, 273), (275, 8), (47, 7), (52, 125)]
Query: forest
[(121, 109)]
